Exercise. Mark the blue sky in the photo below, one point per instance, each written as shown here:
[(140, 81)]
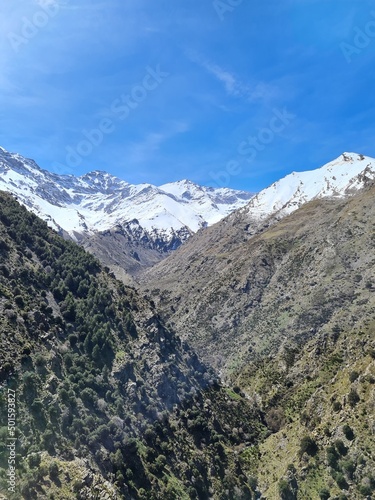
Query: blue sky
[(223, 92)]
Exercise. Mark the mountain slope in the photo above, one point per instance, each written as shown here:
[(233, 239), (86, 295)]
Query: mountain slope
[(252, 293), (287, 315), (110, 403), (319, 404), (158, 219)]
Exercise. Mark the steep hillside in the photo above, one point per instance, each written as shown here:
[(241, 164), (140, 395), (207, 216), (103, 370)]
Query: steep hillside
[(252, 294), (319, 402), (109, 402), (288, 317), (97, 207)]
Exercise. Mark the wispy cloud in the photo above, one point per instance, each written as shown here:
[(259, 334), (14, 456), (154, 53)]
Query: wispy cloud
[(233, 85), (225, 80)]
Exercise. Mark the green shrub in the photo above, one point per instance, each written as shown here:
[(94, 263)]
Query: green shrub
[(40, 361), (353, 397), (353, 376), (332, 457), (308, 445), (348, 431), (53, 471), (253, 483), (348, 466), (34, 460), (160, 462), (365, 490), (324, 494), (341, 481), (18, 299), (337, 406), (340, 447), (284, 489)]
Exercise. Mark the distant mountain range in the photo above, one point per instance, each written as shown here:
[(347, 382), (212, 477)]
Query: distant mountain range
[(140, 224), (130, 227), (99, 201)]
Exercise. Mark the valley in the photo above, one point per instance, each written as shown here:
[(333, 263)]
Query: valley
[(232, 357)]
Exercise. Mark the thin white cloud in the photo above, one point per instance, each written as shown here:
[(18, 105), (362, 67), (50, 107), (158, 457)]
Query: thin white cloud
[(233, 85), (230, 83)]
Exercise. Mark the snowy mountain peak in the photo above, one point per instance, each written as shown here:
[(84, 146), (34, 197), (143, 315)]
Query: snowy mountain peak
[(103, 181), (170, 213), (99, 201), (341, 177)]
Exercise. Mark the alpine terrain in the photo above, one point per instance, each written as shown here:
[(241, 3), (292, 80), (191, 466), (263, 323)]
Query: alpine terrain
[(240, 365), (221, 276), (141, 224), (281, 294)]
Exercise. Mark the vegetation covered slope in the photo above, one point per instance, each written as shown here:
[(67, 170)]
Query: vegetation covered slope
[(288, 316), (110, 403), (319, 403)]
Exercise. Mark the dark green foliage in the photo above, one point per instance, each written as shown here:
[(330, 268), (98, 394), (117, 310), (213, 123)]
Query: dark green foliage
[(336, 406), (308, 445), (353, 397), (284, 490), (348, 467), (324, 494), (340, 447), (348, 431), (332, 457), (353, 376), (53, 471), (365, 490), (340, 480)]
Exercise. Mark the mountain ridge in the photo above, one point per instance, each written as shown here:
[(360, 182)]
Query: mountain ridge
[(338, 178), (98, 201), (127, 226)]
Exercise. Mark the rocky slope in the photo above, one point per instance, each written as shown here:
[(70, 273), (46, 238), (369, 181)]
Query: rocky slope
[(286, 313), (252, 284), (319, 401), (152, 221)]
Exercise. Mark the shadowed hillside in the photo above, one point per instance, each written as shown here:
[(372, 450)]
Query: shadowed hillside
[(110, 403)]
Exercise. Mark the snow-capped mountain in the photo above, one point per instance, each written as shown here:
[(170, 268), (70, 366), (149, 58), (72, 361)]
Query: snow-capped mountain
[(342, 177), (98, 201)]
